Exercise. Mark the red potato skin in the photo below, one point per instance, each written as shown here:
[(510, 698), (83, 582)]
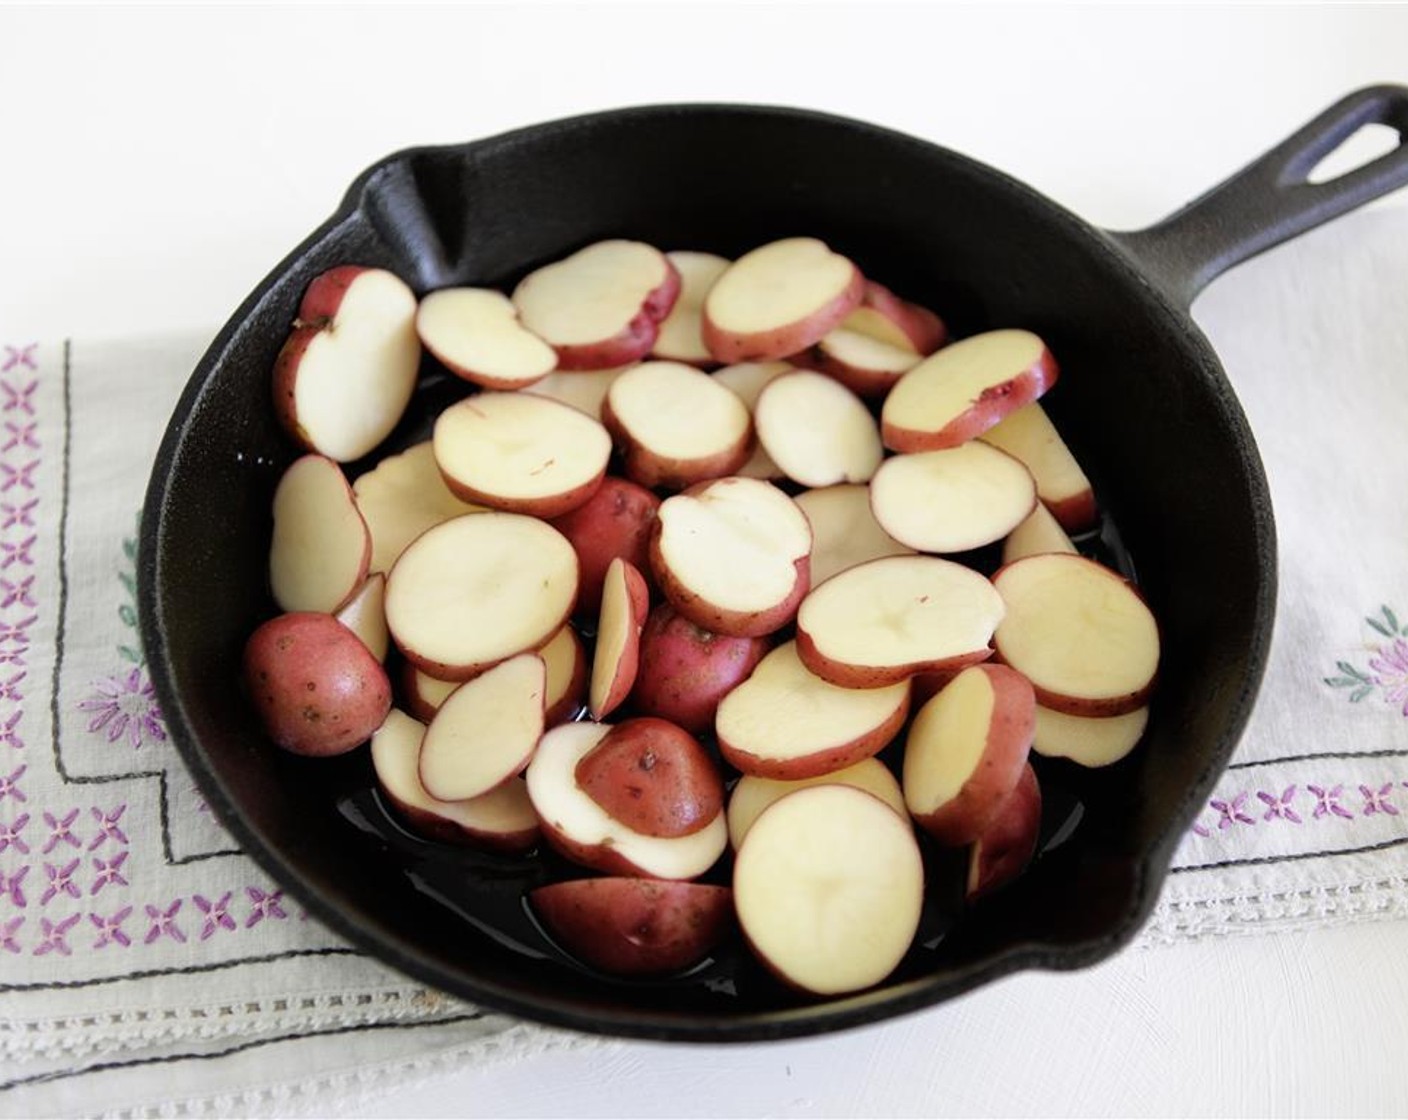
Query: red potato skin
[(1006, 847), (635, 927), (925, 330), (818, 762), (872, 384), (685, 670), (1074, 512), (648, 468), (993, 405), (599, 857), (623, 676), (790, 338), (615, 521), (317, 689), (414, 702), (734, 624), (877, 676), (546, 507), (965, 818), (653, 777), (435, 827), (634, 341)]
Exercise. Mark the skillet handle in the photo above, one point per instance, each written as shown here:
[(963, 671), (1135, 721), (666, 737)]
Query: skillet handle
[(1270, 200)]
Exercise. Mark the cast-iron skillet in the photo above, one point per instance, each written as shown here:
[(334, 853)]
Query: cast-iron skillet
[(1141, 398)]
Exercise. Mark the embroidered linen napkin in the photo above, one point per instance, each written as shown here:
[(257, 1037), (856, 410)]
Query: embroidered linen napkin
[(142, 956)]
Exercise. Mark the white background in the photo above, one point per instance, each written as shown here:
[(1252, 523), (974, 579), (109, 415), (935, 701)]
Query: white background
[(155, 163)]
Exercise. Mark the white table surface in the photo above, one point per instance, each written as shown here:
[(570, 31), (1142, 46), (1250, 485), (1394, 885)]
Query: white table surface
[(157, 162)]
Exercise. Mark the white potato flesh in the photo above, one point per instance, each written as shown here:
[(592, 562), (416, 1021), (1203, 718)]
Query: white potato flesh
[(365, 615), (748, 380), (844, 531), (561, 655), (947, 740), (952, 500), (677, 412), (1087, 740), (778, 284), (618, 630), (865, 352), (475, 590), (431, 690), (476, 331), (829, 886), (948, 383), (1039, 533), (1029, 435), (403, 497), (817, 431), (876, 325), (561, 803), (785, 711), (592, 295), (680, 338), (752, 794), (584, 390), (320, 549)]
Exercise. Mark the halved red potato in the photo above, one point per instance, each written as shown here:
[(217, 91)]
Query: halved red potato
[(965, 752), (752, 794), (601, 306), (965, 389), (844, 531), (952, 500), (653, 777), (886, 316), (615, 521), (1007, 845), (485, 731), (748, 380), (476, 335), (685, 670), (816, 430), (566, 662), (676, 425), (778, 300), (1039, 533), (584, 390), (829, 886), (635, 927), (1079, 632), (1062, 486), (345, 375), (732, 556), (1086, 740), (625, 603), (785, 722), (501, 820), (521, 453), (582, 831), (478, 589), (365, 615), (886, 620), (321, 549), (864, 364), (681, 337), (423, 694), (402, 497)]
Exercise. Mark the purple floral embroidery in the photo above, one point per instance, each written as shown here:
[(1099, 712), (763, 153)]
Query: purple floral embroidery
[(10, 887), (1233, 812), (10, 689), (9, 786), (125, 705), (60, 831), (10, 834), (52, 935), (15, 631), (107, 871), (1279, 807), (262, 905), (19, 397), (22, 514), (1328, 801), (20, 435), (1377, 801), (216, 914), (9, 731), (110, 928), (17, 553), (1388, 665), (1391, 673), (60, 881), (13, 656), (108, 828), (1201, 829), (164, 923), (19, 356), (22, 476), (7, 935)]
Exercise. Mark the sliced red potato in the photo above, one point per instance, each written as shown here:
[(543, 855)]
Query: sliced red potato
[(732, 556), (1088, 741), (521, 453), (584, 390), (601, 306), (423, 694), (844, 531), (625, 603), (365, 615), (676, 425), (635, 927), (582, 831), (501, 820), (1079, 632), (816, 430), (965, 389), (864, 364), (1039, 533), (653, 777), (321, 549), (485, 731), (829, 886), (748, 380), (1007, 845), (615, 521), (952, 500), (778, 300), (476, 335), (886, 620), (402, 498), (897, 321), (1062, 486), (681, 337), (476, 590), (751, 795), (566, 662), (965, 752), (784, 722), (345, 375), (871, 323)]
